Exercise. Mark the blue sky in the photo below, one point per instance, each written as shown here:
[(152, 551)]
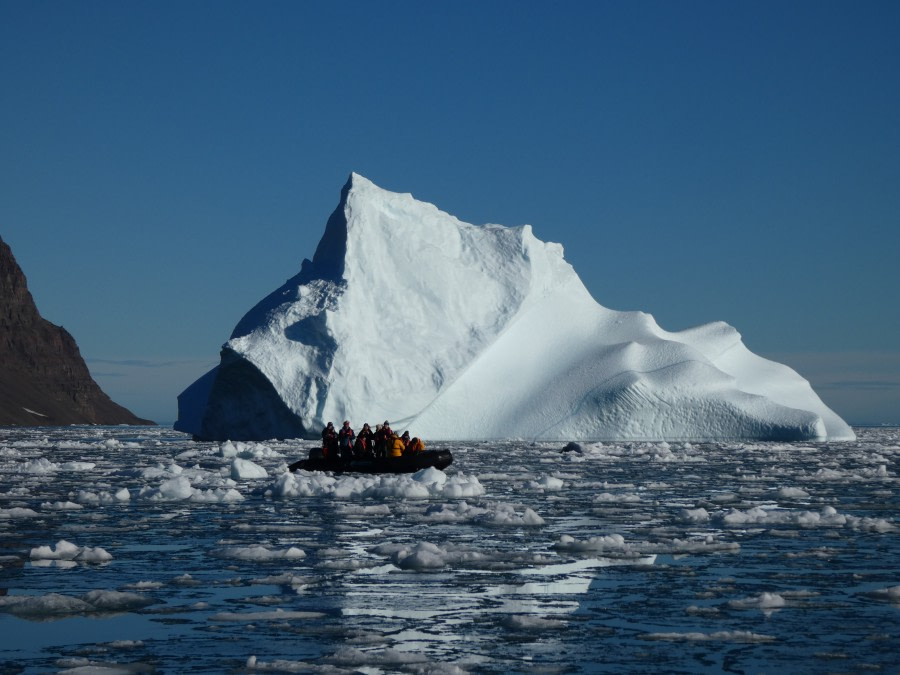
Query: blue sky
[(164, 165)]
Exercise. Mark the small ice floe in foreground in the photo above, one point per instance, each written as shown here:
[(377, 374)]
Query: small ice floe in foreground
[(605, 543), (548, 484), (890, 594), (18, 512), (425, 556), (244, 469), (425, 484), (500, 514), (792, 493), (527, 622), (766, 602), (274, 615), (56, 605), (65, 550), (119, 496), (179, 488), (718, 636), (258, 553)]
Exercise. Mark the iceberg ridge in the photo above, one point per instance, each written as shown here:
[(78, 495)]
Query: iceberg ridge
[(464, 332)]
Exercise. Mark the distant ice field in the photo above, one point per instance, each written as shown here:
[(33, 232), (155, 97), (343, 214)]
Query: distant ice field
[(138, 550)]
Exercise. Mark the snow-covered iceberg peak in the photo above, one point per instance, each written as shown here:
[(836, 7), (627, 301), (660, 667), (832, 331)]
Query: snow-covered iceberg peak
[(460, 331)]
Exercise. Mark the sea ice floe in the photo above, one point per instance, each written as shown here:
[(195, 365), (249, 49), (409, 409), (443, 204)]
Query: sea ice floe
[(498, 513), (180, 489), (698, 515), (828, 516), (61, 506), (274, 615), (425, 556), (891, 594), (65, 550), (103, 497), (56, 605), (259, 553), (717, 636), (232, 449), (792, 493), (244, 469), (548, 484), (766, 602), (18, 512), (425, 484), (529, 622), (604, 543)]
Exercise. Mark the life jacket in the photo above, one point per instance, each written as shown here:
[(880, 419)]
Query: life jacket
[(415, 445)]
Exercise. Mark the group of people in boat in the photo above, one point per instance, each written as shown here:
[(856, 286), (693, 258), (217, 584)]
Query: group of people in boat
[(346, 445)]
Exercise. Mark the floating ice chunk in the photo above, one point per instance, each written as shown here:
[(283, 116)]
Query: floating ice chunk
[(388, 660), (180, 489), (66, 550), (18, 512), (615, 542), (145, 585), (718, 636), (274, 615), (55, 605), (767, 602), (259, 553), (430, 476), (698, 515), (609, 498), (491, 514), (527, 622), (548, 484), (422, 556), (160, 471), (228, 449), (77, 466), (708, 544), (40, 466), (86, 497), (244, 469), (170, 490), (505, 514), (890, 594), (425, 484), (792, 493), (61, 506), (94, 555)]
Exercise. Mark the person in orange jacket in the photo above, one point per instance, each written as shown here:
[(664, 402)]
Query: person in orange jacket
[(415, 445), (396, 446)]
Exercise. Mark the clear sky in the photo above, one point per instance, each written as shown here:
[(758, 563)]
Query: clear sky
[(164, 165)]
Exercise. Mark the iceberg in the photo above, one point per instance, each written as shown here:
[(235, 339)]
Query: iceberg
[(465, 332)]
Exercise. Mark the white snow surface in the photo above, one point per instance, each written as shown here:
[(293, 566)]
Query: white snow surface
[(464, 332)]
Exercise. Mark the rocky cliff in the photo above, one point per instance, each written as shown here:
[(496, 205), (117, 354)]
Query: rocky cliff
[(43, 378)]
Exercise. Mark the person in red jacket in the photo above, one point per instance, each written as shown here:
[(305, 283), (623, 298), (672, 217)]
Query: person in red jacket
[(329, 441), (363, 445), (383, 435), (345, 441)]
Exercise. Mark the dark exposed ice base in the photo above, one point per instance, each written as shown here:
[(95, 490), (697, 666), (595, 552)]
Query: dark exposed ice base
[(137, 550)]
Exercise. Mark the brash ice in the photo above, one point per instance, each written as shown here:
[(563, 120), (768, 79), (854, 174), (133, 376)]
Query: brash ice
[(463, 332)]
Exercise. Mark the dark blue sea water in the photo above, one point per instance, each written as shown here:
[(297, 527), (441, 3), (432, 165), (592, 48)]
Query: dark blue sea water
[(137, 550)]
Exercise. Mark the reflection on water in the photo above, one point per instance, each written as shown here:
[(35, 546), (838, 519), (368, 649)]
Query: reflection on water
[(635, 558)]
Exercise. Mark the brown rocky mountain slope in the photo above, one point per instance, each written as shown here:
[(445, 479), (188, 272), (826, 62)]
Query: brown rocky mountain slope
[(43, 379)]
